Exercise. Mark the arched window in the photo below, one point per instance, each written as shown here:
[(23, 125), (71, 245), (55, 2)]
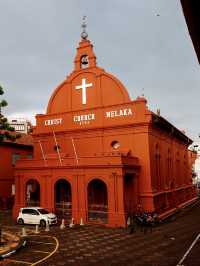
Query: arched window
[(32, 193), (84, 61), (157, 166), (63, 199), (169, 168), (97, 201), (185, 170), (178, 169)]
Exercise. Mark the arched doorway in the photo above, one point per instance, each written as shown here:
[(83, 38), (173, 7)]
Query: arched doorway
[(97, 201), (63, 199), (32, 193)]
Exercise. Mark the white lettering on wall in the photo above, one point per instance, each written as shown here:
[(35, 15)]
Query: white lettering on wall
[(83, 119), (121, 112), (50, 122)]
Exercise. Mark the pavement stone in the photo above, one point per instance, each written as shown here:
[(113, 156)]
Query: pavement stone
[(98, 246)]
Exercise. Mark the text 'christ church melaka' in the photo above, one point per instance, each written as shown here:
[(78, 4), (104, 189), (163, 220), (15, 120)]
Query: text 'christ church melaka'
[(98, 154)]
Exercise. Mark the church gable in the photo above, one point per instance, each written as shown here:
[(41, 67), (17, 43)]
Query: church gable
[(88, 86), (90, 98)]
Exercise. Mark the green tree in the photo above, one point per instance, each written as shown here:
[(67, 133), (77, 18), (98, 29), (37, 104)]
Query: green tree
[(6, 131)]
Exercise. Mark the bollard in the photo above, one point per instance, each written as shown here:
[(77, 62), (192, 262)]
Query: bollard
[(24, 234), (62, 226), (81, 223), (128, 221), (47, 229), (37, 229), (72, 223)]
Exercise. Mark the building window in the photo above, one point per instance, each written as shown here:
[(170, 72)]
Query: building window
[(115, 144), (158, 167), (15, 157), (169, 168), (178, 169)]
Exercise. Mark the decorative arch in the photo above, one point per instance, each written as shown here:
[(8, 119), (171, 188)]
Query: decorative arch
[(97, 196), (32, 192), (101, 178), (63, 198)]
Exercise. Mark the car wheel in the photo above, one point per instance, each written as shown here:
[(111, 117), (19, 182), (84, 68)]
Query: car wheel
[(20, 221), (43, 223)]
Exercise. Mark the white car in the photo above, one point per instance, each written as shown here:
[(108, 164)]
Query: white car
[(36, 215)]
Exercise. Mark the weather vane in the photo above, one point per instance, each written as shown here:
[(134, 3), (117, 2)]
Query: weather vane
[(84, 34)]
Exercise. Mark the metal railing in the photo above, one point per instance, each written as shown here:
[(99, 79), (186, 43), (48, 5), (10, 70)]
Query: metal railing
[(63, 210), (98, 213)]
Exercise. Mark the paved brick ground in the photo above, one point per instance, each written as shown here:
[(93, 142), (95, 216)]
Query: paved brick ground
[(98, 246), (9, 241)]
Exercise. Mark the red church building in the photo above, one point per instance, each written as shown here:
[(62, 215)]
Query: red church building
[(98, 154)]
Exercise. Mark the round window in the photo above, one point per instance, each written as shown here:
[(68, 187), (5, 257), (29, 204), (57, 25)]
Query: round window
[(115, 144)]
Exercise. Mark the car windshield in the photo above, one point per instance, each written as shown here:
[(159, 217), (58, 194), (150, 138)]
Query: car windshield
[(43, 211)]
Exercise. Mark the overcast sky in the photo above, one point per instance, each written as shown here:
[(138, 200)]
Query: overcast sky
[(144, 43)]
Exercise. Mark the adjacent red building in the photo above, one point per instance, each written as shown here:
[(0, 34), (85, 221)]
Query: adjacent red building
[(98, 154), (10, 152)]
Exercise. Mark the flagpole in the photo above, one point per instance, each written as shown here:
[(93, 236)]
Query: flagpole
[(73, 144), (57, 148), (44, 158)]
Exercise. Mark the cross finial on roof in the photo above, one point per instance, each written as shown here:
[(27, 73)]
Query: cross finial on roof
[(84, 34)]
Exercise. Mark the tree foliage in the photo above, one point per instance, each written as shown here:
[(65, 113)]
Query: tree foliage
[(6, 131)]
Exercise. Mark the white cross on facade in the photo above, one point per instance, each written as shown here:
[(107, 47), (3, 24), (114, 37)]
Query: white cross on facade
[(84, 86)]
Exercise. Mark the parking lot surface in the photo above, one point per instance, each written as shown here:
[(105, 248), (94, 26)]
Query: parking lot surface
[(95, 245)]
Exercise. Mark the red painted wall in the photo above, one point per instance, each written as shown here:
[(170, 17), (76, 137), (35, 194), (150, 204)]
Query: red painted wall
[(7, 168)]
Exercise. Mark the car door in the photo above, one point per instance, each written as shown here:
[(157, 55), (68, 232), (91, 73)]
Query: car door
[(26, 215), (35, 217)]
